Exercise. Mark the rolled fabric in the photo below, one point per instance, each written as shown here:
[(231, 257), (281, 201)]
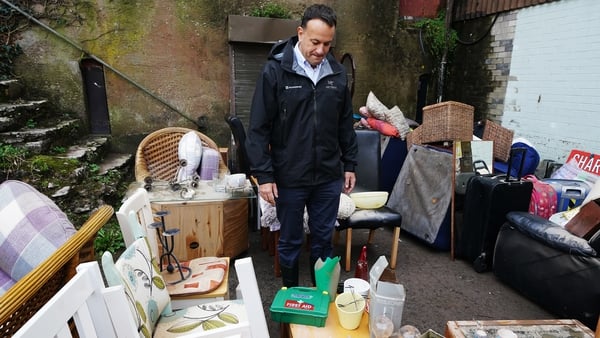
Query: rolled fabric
[(383, 127)]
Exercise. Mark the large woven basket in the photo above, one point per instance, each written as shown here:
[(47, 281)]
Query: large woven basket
[(157, 157), (502, 138), (413, 137), (447, 121)]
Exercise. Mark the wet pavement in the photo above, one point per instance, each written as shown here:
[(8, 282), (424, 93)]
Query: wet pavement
[(438, 289)]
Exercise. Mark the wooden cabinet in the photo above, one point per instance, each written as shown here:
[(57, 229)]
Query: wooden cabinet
[(207, 228)]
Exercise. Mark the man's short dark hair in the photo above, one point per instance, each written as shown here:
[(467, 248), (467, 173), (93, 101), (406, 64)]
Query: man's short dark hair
[(321, 12)]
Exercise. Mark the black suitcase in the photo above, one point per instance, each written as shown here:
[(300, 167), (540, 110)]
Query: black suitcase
[(488, 199)]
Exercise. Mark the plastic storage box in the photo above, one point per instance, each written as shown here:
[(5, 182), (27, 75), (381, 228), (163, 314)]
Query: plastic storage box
[(386, 302), (569, 193), (300, 305)]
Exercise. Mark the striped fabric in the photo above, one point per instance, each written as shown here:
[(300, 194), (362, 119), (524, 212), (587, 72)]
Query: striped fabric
[(32, 227)]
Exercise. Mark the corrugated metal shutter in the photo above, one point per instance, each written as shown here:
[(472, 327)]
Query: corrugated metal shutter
[(472, 9), (247, 61)]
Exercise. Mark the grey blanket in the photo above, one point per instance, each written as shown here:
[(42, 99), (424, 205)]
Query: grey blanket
[(423, 191)]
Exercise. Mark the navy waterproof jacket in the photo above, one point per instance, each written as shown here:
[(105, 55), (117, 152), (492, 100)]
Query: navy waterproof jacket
[(300, 134)]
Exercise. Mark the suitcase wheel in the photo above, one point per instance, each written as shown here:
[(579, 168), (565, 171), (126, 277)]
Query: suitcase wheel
[(480, 264)]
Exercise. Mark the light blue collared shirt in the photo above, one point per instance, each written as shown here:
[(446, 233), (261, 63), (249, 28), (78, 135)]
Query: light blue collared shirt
[(312, 73)]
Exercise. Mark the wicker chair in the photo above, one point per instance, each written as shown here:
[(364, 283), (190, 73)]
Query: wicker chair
[(157, 157), (32, 291)]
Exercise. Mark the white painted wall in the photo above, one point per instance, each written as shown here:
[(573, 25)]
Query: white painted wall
[(553, 90)]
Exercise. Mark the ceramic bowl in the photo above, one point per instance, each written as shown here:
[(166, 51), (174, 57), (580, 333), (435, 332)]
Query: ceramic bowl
[(369, 199)]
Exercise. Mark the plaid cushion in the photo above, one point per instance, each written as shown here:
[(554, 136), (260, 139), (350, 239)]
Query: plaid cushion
[(32, 227), (5, 282)]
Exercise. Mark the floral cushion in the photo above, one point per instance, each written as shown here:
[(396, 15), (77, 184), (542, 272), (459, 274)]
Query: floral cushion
[(150, 303), (32, 228), (222, 318)]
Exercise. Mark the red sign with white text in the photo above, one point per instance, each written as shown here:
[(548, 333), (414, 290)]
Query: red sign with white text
[(585, 161)]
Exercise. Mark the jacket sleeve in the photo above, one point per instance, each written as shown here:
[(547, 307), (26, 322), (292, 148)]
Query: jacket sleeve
[(262, 112), (347, 141)]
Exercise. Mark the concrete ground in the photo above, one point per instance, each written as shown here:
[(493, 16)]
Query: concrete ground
[(438, 289)]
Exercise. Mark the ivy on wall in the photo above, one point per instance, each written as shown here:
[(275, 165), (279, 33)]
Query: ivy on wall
[(56, 13)]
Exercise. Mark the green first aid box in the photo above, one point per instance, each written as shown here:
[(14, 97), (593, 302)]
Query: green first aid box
[(300, 305)]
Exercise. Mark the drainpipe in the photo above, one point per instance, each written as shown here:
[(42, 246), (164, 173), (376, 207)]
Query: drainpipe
[(90, 55), (449, 6)]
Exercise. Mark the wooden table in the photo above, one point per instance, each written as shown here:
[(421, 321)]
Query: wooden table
[(332, 328), (556, 328), (211, 223)]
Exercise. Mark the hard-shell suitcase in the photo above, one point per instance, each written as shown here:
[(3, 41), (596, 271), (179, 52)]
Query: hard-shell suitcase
[(569, 193), (487, 201)]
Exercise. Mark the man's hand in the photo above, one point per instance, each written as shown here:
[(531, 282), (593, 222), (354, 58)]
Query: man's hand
[(268, 192), (349, 182)]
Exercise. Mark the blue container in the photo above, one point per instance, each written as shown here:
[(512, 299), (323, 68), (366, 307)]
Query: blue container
[(569, 193)]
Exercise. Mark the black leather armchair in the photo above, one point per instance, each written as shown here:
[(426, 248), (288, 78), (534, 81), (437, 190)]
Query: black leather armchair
[(550, 266)]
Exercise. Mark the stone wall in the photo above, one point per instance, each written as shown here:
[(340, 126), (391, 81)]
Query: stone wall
[(178, 51)]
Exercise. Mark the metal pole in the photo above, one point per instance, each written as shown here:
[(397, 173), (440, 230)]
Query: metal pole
[(442, 75)]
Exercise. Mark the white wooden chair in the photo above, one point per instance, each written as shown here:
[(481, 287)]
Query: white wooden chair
[(135, 216), (150, 304), (96, 310), (139, 203)]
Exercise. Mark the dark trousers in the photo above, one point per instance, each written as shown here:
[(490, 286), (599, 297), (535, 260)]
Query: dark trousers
[(322, 203)]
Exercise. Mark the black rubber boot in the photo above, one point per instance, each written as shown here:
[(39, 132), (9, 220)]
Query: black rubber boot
[(289, 275), (311, 268)]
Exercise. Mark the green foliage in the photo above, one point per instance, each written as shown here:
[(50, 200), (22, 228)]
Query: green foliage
[(434, 31), (12, 158), (8, 54), (59, 150), (110, 176), (30, 124), (93, 168), (39, 165), (271, 10), (109, 238)]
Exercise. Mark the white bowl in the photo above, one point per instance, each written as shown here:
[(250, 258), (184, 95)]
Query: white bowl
[(369, 199), (357, 285)]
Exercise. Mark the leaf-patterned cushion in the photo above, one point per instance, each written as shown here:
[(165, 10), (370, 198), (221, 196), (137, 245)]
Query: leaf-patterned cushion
[(150, 302), (227, 318), (138, 272)]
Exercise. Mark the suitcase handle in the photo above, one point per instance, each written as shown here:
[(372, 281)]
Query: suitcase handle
[(480, 165), (511, 159)]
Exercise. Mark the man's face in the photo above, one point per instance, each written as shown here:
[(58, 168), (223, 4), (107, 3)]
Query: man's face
[(315, 40)]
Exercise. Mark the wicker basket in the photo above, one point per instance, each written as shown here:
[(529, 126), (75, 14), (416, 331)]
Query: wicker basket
[(413, 137), (447, 121), (157, 157), (502, 138)]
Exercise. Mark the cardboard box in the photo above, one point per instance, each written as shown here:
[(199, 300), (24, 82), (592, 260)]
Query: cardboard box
[(386, 299), (300, 305)]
